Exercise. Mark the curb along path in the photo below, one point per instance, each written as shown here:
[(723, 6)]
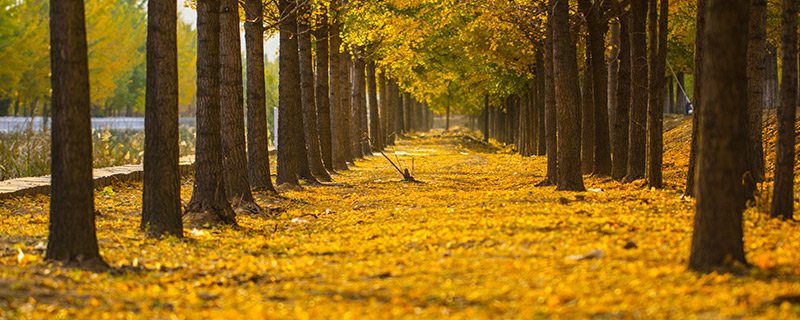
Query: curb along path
[(102, 177)]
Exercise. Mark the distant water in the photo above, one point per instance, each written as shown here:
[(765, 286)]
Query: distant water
[(14, 124)]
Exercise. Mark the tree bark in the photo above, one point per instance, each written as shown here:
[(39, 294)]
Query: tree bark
[(655, 110), (550, 107), (346, 103), (338, 142), (783, 195), (289, 99), (161, 191), (717, 239), (307, 96), (322, 90), (257, 133), (620, 146), (680, 97), (209, 205), (756, 58), (374, 113), (539, 95), (613, 77), (72, 237), (383, 106), (234, 152), (638, 110), (587, 115), (568, 97), (700, 25)]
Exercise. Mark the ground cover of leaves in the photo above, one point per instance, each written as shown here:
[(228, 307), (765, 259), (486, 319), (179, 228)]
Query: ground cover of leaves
[(475, 239)]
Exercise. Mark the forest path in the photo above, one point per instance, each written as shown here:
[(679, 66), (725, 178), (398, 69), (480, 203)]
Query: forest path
[(475, 239)]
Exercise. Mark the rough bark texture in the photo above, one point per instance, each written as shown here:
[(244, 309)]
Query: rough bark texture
[(257, 133), (655, 108), (374, 113), (587, 116), (620, 146), (383, 106), (359, 103), (541, 148), (72, 237), (783, 196), (550, 108), (234, 152), (637, 139), (161, 194), (209, 204), (756, 58), (698, 102), (322, 90), (346, 103), (311, 132), (717, 239), (289, 100), (613, 77), (568, 99), (338, 142)]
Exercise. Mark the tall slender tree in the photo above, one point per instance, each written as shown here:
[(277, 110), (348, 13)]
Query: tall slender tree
[(587, 115), (161, 194), (637, 125), (567, 96), (655, 109), (550, 107), (374, 113), (338, 142), (209, 205), (257, 134), (620, 146), (783, 195), (699, 65), (72, 237), (541, 148), (717, 239), (322, 89), (756, 67), (306, 63), (234, 153)]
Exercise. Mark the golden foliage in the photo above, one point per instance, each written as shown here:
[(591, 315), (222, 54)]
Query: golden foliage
[(477, 239)]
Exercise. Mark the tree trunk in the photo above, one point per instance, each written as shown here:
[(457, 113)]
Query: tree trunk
[(234, 152), (289, 99), (783, 196), (322, 89), (587, 116), (486, 118), (209, 205), (550, 107), (338, 142), (374, 114), (680, 97), (568, 97), (756, 57), (311, 132), (655, 114), (257, 133), (346, 103), (638, 110), (669, 107), (613, 77), (541, 147), (700, 24), (771, 77), (717, 239), (360, 84), (72, 237), (161, 190), (383, 106), (620, 146)]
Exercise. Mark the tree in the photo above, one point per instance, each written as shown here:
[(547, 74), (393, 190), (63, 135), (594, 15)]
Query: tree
[(292, 158), (72, 237), (567, 97), (699, 66), (257, 134), (587, 115), (756, 60), (655, 109), (783, 195), (638, 108), (234, 159), (374, 114), (307, 93), (620, 146), (161, 194), (209, 204), (550, 107), (540, 108), (322, 90), (338, 143), (358, 103), (717, 239)]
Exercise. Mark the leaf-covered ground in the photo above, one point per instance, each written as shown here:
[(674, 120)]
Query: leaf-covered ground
[(476, 239)]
